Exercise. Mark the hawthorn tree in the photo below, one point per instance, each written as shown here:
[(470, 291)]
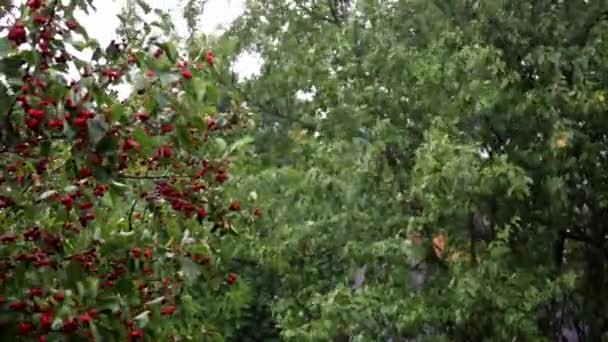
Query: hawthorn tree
[(119, 217)]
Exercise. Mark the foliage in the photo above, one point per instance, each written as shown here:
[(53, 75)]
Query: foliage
[(442, 180), (119, 216), (476, 120)]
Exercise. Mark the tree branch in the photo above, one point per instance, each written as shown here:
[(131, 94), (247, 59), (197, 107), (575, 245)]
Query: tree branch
[(334, 12), (156, 176), (581, 37), (317, 16), (131, 215)]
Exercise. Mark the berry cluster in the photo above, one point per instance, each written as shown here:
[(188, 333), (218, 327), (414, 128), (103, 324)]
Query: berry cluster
[(69, 151)]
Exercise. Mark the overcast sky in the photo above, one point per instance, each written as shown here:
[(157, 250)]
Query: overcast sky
[(217, 15)]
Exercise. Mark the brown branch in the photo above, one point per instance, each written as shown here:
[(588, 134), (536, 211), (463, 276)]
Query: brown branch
[(8, 127), (156, 176), (131, 215), (334, 12), (316, 16)]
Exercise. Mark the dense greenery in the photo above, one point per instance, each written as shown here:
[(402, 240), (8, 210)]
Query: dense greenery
[(444, 179)]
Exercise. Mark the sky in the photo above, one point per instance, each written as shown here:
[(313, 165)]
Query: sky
[(217, 15)]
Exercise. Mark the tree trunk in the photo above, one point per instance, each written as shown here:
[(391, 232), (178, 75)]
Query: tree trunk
[(595, 299)]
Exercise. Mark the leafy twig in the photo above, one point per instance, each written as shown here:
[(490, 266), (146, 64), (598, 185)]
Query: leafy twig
[(156, 176), (131, 214)]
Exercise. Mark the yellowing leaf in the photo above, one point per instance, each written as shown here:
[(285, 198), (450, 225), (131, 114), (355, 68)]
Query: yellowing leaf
[(439, 242)]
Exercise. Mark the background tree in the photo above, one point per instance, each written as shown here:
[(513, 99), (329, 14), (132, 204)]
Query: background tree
[(479, 119)]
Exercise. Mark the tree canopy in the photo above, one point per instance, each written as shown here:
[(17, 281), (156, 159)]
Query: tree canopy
[(442, 178)]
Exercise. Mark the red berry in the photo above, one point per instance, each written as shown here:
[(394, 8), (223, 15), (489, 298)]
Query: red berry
[(100, 190), (148, 253), (56, 124), (142, 116), (36, 292), (68, 202), (187, 74), (136, 335), (168, 310), (85, 318), (210, 58), (72, 25), (34, 4), (167, 128), (112, 74), (130, 144), (46, 320), (136, 252), (69, 104), (201, 213), (8, 238), (221, 176), (18, 306), (40, 20), (80, 122), (37, 114), (17, 33), (86, 172), (42, 338), (86, 205), (70, 325), (232, 278), (25, 328), (235, 206), (257, 212), (47, 102), (32, 123), (165, 151)]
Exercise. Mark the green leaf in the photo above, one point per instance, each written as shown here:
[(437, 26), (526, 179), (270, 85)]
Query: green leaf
[(170, 50), (211, 94), (118, 112), (95, 332), (107, 145), (148, 144), (196, 88), (97, 130), (142, 319), (190, 269), (75, 273), (168, 78), (200, 248), (144, 6), (10, 66), (118, 187), (221, 143), (5, 46), (240, 143), (184, 137)]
